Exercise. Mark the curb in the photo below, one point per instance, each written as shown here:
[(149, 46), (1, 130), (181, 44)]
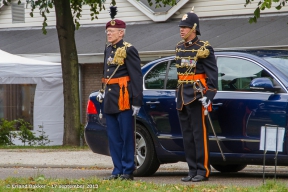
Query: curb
[(54, 166)]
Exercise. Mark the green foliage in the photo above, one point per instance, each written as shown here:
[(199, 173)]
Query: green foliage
[(42, 140), (6, 2), (262, 5), (6, 132), (25, 135)]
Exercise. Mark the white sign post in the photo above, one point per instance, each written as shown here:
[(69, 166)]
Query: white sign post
[(271, 139)]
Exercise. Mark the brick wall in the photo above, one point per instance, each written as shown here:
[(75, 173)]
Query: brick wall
[(91, 81)]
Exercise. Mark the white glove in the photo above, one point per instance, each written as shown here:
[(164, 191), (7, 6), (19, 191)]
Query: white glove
[(100, 96), (175, 99), (205, 102), (136, 110)]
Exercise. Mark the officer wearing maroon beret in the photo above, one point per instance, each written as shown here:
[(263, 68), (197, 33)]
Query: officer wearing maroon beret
[(122, 95), (196, 69)]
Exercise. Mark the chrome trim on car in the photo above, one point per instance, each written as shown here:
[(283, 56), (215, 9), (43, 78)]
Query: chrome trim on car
[(152, 102), (211, 138), (242, 140), (168, 136)]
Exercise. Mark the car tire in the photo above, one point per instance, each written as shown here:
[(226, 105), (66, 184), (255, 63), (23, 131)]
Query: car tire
[(229, 168), (147, 162)]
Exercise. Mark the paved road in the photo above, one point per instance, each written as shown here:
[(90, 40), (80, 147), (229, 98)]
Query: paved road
[(85, 164)]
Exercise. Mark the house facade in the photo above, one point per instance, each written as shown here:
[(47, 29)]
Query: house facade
[(131, 11), (154, 32)]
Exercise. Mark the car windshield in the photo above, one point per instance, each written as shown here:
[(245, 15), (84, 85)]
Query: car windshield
[(279, 62)]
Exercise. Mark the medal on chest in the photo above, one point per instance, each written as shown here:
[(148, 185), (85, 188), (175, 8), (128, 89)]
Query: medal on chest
[(188, 63), (109, 60)]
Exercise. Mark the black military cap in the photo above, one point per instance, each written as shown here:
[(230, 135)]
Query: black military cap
[(189, 20)]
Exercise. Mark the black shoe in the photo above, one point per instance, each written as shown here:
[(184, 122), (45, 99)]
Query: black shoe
[(127, 177), (199, 178), (186, 179), (111, 177)]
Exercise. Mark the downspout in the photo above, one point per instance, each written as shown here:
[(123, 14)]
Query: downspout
[(80, 99)]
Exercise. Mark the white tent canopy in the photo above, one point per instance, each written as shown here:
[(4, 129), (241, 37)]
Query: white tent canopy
[(48, 108)]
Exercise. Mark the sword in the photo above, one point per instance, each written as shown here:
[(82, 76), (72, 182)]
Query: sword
[(200, 89), (135, 152)]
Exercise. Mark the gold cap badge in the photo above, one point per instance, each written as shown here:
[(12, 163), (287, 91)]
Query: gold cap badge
[(184, 17), (112, 22)]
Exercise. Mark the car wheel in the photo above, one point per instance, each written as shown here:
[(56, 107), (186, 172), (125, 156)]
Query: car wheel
[(229, 168), (147, 162)]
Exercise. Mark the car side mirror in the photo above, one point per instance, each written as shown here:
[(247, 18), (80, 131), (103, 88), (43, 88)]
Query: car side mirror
[(263, 84)]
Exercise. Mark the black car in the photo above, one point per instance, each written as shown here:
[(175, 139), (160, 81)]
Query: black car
[(252, 93)]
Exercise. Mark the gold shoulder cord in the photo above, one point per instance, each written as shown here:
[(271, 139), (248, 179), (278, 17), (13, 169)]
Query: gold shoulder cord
[(121, 55)]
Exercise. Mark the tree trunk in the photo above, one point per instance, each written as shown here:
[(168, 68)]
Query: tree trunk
[(69, 60)]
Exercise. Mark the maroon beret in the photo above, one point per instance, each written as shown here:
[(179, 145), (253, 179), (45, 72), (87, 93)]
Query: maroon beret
[(116, 23)]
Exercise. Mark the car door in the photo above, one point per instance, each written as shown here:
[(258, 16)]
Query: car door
[(160, 84), (239, 112)]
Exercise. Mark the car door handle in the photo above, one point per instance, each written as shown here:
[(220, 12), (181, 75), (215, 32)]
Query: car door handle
[(217, 104), (152, 102)]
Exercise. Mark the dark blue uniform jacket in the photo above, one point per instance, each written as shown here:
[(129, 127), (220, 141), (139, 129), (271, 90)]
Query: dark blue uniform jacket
[(131, 67), (195, 57)]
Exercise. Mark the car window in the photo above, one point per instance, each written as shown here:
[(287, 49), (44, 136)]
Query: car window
[(235, 74), (172, 79), (155, 79), (279, 62)]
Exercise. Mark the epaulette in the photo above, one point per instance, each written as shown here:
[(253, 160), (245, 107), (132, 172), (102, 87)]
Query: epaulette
[(120, 54), (205, 43), (127, 44), (203, 52)]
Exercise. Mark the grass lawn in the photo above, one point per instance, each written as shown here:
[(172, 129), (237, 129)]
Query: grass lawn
[(40, 183)]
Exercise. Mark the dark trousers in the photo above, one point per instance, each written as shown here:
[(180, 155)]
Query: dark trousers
[(195, 138), (120, 130)]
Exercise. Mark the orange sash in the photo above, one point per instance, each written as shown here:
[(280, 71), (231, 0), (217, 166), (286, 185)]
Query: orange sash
[(192, 77), (202, 77), (123, 101)]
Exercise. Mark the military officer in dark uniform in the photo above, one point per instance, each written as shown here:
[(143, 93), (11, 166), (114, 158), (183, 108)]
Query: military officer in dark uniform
[(196, 68), (122, 94)]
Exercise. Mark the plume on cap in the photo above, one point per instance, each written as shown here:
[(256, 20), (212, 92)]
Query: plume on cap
[(115, 23), (113, 12), (192, 10)]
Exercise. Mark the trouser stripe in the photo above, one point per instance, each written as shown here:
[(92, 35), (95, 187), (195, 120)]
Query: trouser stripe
[(205, 144)]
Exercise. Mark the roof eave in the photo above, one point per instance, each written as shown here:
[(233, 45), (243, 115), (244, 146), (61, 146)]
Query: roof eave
[(158, 16), (93, 58)]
